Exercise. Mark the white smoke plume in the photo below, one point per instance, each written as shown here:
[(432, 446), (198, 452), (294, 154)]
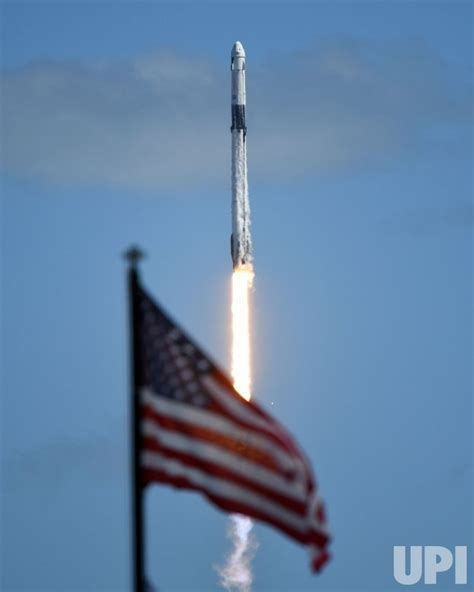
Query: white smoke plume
[(236, 573)]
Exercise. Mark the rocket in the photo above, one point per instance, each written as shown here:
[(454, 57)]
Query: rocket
[(240, 240)]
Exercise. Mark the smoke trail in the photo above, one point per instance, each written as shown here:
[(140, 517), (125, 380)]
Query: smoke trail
[(236, 573)]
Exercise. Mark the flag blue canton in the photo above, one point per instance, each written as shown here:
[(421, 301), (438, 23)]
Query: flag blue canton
[(172, 365)]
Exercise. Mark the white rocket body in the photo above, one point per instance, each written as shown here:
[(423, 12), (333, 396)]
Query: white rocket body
[(241, 243)]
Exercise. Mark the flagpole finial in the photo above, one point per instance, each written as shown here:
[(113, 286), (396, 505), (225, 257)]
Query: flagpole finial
[(134, 255)]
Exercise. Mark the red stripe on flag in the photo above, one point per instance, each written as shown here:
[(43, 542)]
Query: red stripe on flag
[(320, 560)]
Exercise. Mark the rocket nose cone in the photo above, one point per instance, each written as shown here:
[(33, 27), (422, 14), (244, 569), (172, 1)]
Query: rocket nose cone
[(238, 50)]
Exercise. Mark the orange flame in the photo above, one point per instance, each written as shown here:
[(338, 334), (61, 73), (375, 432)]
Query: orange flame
[(242, 280)]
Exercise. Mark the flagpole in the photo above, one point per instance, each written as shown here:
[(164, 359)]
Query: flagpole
[(134, 255)]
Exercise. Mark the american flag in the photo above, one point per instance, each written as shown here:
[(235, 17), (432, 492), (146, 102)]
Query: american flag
[(198, 433)]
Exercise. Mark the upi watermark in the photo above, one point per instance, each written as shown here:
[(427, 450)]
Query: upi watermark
[(428, 562)]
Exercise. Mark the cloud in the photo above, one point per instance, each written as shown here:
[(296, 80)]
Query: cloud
[(162, 120)]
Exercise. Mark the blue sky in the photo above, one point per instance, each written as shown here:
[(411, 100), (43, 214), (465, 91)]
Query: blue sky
[(116, 130)]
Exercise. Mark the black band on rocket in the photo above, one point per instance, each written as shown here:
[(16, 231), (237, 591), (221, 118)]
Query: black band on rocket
[(238, 118)]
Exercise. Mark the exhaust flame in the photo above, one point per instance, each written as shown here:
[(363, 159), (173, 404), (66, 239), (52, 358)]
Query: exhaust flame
[(236, 573), (242, 280)]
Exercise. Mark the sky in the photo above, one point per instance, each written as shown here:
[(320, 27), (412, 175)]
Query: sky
[(115, 130)]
